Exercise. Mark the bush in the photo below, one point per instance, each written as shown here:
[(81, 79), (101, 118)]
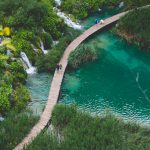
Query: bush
[(61, 121), (2, 50), (14, 128), (81, 55), (44, 142), (18, 72), (25, 46), (21, 97), (49, 62), (47, 40), (80, 131), (81, 9), (5, 92), (134, 27)]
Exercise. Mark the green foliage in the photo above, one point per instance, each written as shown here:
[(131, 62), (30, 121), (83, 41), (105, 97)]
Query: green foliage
[(81, 55), (34, 15), (7, 77), (17, 71), (47, 40), (29, 22), (136, 3), (44, 142), (2, 50), (29, 14), (14, 128), (5, 92), (25, 46), (21, 97), (61, 121), (81, 9), (135, 25), (3, 61), (12, 78), (80, 131), (48, 63), (24, 34)]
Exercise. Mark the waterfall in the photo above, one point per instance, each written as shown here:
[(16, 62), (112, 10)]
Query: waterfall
[(121, 4), (1, 119), (8, 52), (67, 20), (30, 69), (55, 43), (34, 48), (42, 47), (58, 2)]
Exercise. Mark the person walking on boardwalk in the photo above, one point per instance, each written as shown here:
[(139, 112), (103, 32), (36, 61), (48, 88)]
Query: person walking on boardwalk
[(57, 67), (96, 21), (60, 67)]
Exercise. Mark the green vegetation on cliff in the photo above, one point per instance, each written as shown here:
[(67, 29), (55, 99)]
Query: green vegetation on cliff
[(23, 25), (81, 9), (12, 76), (80, 131), (135, 27), (49, 62), (31, 21)]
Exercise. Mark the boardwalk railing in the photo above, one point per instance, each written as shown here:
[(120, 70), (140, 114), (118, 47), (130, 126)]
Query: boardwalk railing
[(58, 78)]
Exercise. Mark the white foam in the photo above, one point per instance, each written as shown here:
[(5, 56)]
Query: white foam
[(121, 4), (58, 2), (8, 52), (67, 20), (1, 118), (55, 42), (42, 47), (30, 69)]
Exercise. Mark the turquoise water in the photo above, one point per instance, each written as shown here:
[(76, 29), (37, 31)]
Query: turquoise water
[(39, 85), (118, 81)]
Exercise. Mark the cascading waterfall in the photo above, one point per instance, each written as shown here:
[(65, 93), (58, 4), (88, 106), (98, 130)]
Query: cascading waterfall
[(58, 2), (34, 48), (1, 119), (8, 52), (121, 4), (42, 47), (55, 43), (67, 20), (30, 69)]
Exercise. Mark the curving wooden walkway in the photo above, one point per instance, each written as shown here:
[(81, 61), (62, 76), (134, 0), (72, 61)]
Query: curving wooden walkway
[(58, 78)]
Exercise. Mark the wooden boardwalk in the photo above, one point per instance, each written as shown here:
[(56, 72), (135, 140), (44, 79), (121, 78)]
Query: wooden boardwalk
[(58, 78)]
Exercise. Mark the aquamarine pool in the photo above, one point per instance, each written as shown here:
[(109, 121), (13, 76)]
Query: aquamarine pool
[(118, 81)]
